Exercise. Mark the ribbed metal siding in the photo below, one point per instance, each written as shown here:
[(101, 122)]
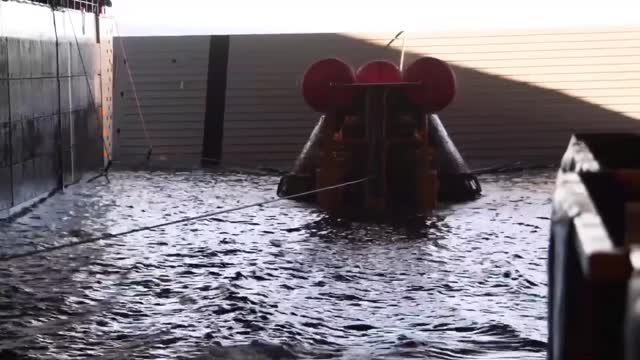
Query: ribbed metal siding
[(48, 124), (521, 94), (107, 29), (266, 119), (170, 75)]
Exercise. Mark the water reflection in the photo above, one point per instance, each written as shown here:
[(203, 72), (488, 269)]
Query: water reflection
[(282, 281)]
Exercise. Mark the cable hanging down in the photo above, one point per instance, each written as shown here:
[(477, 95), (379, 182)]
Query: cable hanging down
[(135, 92), (105, 171), (185, 220)]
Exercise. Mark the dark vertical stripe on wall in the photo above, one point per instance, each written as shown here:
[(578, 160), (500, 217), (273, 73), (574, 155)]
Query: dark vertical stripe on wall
[(10, 149), (216, 96), (6, 148), (59, 117)]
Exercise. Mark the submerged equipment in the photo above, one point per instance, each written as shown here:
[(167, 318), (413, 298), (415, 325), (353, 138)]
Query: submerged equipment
[(381, 123)]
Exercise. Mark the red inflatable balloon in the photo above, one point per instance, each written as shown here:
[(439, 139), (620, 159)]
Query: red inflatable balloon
[(379, 71), (438, 81), (317, 81)]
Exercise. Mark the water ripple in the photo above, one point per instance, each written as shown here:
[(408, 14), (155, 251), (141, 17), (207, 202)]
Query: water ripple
[(278, 282)]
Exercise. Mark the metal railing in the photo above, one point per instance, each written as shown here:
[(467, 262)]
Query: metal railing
[(91, 6)]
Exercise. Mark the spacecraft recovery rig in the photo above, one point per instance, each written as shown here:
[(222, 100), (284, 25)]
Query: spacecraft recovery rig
[(380, 124)]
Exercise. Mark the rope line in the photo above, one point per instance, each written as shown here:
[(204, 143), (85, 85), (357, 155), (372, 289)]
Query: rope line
[(394, 38), (160, 225), (105, 170), (513, 167), (135, 92), (86, 75)]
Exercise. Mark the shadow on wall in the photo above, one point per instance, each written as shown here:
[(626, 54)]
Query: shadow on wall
[(493, 120), (498, 119)]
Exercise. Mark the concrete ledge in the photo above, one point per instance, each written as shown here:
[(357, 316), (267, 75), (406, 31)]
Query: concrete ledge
[(25, 207)]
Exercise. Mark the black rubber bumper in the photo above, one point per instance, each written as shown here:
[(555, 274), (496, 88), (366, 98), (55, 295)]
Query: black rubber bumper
[(458, 187), (292, 184)]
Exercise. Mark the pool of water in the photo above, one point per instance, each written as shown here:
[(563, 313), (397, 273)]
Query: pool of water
[(274, 282)]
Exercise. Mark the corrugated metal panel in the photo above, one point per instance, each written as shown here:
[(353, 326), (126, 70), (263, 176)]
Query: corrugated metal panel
[(521, 93), (48, 120), (106, 81), (170, 75), (266, 119)]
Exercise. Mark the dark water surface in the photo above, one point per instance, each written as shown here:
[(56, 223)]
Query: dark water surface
[(277, 281)]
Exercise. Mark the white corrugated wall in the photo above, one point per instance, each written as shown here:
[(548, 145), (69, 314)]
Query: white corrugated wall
[(521, 93), (170, 75), (266, 119)]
